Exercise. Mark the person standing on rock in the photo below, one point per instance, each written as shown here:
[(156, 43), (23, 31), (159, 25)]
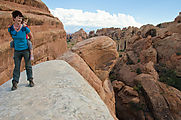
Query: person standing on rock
[(18, 32)]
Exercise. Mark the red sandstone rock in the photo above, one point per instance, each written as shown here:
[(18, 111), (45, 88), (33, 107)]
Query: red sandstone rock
[(99, 53), (77, 36), (163, 101), (168, 50)]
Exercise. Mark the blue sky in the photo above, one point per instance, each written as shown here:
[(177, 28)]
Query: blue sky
[(94, 14)]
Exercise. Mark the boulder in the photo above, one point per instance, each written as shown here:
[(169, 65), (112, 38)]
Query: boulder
[(126, 101), (148, 55), (168, 51), (91, 34), (99, 53), (149, 29), (175, 27), (79, 36)]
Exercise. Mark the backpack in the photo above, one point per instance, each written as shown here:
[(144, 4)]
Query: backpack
[(12, 29)]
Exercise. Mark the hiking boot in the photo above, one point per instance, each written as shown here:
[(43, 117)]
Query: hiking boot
[(14, 87), (31, 83)]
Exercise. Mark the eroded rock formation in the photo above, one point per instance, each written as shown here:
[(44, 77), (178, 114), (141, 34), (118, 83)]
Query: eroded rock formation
[(138, 68), (77, 36)]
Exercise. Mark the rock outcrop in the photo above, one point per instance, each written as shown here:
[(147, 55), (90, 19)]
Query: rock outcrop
[(169, 51), (77, 36), (126, 98), (99, 53), (136, 75), (120, 36), (150, 56), (49, 35), (163, 101), (60, 93), (93, 59)]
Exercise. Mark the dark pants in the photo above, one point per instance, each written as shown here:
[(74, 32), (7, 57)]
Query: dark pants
[(17, 61)]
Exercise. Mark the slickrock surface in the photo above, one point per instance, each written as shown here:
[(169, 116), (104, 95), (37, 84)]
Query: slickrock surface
[(60, 93)]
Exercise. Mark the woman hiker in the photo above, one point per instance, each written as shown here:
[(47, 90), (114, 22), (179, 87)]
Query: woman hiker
[(18, 32)]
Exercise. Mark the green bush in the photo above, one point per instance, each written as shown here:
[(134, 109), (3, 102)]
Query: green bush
[(138, 61), (169, 77), (138, 71), (138, 88), (121, 50), (137, 106), (120, 55), (178, 53)]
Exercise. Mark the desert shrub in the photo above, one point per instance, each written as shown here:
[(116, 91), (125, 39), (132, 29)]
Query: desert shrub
[(169, 77), (137, 106), (120, 55), (122, 50), (138, 88), (138, 71), (138, 61), (178, 53)]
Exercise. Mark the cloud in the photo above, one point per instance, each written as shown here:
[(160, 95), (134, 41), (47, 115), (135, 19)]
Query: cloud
[(100, 18)]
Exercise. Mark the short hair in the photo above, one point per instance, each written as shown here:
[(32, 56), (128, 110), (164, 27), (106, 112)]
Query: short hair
[(25, 18), (17, 13)]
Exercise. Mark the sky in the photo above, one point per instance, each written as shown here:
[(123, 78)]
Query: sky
[(97, 14)]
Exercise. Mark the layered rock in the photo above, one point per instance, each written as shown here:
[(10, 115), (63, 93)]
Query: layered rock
[(60, 93), (49, 35), (33, 3)]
